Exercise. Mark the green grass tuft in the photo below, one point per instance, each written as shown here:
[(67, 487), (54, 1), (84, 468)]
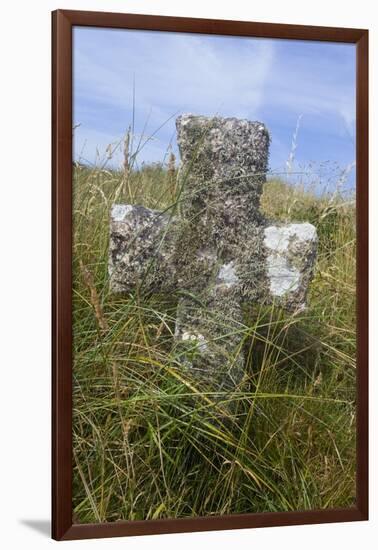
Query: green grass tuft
[(151, 442)]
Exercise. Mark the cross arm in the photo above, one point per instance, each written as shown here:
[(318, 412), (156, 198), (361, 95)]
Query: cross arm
[(140, 249), (290, 253), (274, 264)]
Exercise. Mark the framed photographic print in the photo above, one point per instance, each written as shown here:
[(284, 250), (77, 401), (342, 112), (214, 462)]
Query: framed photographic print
[(210, 238)]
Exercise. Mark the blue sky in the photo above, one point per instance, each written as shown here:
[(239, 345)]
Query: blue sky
[(273, 81)]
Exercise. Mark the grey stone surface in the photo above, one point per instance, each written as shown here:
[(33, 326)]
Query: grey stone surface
[(140, 249), (218, 250)]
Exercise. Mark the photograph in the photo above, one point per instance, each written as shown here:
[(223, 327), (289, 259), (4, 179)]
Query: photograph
[(214, 324)]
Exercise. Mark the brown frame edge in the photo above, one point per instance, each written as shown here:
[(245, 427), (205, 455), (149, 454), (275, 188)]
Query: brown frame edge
[(62, 23)]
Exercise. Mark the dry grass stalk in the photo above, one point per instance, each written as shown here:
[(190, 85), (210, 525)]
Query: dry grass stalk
[(126, 154), (126, 162), (95, 300), (172, 173), (294, 145)]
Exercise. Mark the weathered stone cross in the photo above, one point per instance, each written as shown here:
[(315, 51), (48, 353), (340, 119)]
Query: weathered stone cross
[(217, 250)]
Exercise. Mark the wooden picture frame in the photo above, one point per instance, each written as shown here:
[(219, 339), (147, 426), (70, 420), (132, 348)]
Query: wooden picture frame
[(63, 21)]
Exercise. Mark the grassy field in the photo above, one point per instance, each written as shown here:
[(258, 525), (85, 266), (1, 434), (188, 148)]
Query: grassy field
[(149, 441)]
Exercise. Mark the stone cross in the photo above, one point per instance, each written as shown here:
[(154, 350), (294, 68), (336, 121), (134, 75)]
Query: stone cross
[(214, 248)]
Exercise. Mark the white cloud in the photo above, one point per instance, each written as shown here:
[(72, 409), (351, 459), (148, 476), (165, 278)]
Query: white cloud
[(250, 78), (173, 73), (321, 85)]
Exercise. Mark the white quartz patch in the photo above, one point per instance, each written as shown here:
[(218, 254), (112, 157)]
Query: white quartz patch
[(282, 277), (278, 238), (199, 338), (227, 275), (120, 211)]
